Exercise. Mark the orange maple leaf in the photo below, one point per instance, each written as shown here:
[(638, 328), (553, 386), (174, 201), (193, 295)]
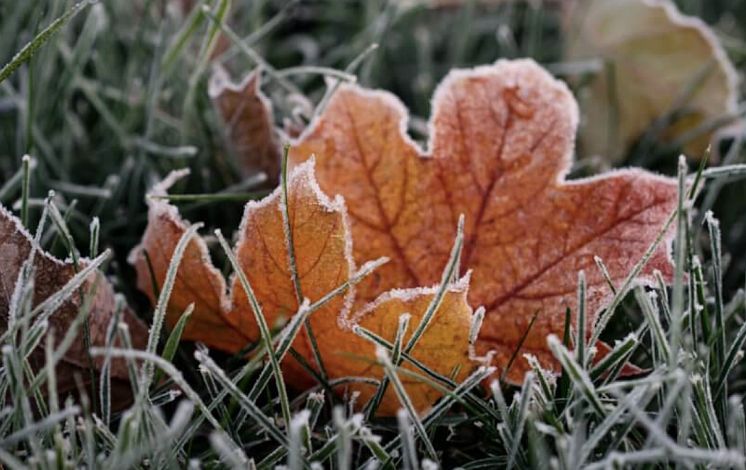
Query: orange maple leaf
[(323, 254), (501, 144)]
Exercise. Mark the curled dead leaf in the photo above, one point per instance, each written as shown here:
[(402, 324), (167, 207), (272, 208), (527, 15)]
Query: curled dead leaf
[(323, 253), (51, 275), (659, 61), (248, 124), (501, 141)]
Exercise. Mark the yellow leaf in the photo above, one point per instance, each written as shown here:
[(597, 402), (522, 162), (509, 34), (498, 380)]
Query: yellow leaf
[(658, 61)]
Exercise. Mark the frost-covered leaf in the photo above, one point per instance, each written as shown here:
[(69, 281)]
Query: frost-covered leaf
[(658, 62), (50, 276), (500, 146), (204, 286), (247, 117), (323, 253)]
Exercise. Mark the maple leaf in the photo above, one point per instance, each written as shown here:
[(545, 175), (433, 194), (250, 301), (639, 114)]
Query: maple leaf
[(247, 116), (323, 254), (197, 280), (50, 276), (659, 60), (501, 140)]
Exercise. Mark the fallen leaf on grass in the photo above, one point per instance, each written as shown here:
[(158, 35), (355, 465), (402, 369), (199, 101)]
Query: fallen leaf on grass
[(656, 56), (500, 146), (247, 116), (323, 251), (197, 281), (51, 275)]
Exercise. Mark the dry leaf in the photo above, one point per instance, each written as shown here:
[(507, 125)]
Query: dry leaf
[(247, 115), (197, 281), (323, 250), (50, 276), (501, 145), (655, 55)]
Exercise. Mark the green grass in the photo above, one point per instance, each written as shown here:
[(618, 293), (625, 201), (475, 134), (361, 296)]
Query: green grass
[(109, 97)]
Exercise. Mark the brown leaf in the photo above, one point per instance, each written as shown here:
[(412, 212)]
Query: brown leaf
[(247, 116), (50, 275), (323, 249), (500, 146)]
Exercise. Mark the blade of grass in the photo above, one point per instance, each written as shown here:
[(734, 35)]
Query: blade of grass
[(719, 346), (576, 372), (580, 322), (521, 417), (409, 449), (250, 53), (396, 353), (448, 273), (650, 313), (680, 251), (266, 336), (162, 304), (517, 349), (32, 46), (180, 39), (731, 358), (105, 374), (39, 426), (27, 166), (172, 343), (604, 318), (255, 412), (406, 402), (616, 357), (292, 260), (174, 374), (605, 273), (238, 197)]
